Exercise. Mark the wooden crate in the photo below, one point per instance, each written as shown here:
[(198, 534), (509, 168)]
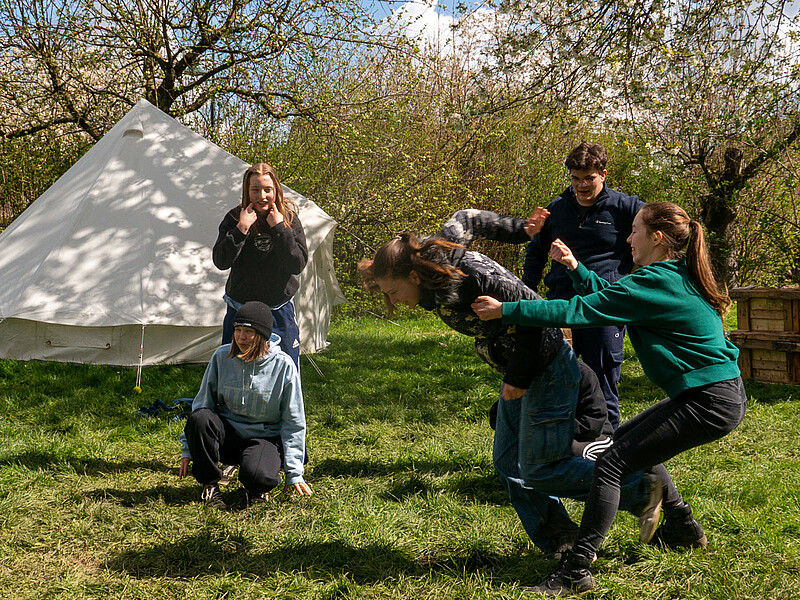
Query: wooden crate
[(768, 334)]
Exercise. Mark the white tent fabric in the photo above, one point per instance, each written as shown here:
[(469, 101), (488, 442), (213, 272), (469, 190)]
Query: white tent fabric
[(116, 255)]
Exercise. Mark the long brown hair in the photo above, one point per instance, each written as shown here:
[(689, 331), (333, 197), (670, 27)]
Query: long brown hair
[(679, 232), (286, 207), (259, 348), (405, 253)]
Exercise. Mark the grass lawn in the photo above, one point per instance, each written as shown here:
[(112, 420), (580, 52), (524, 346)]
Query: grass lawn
[(405, 505)]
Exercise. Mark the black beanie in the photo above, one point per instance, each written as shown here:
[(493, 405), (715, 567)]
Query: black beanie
[(255, 315)]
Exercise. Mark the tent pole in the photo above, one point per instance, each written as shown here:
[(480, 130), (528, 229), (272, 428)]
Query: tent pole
[(141, 358)]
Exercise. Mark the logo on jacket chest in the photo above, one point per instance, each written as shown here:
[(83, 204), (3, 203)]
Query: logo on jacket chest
[(263, 242)]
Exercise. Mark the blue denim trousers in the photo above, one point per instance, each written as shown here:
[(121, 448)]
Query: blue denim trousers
[(532, 455)]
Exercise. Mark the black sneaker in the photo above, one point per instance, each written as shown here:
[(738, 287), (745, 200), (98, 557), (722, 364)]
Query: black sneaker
[(572, 576), (680, 530), (648, 518), (212, 497), (256, 499)]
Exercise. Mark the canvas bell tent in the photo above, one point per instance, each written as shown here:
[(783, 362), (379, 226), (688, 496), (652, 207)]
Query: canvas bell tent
[(114, 259)]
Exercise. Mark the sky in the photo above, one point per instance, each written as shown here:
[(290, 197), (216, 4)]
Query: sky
[(428, 19), (432, 21)]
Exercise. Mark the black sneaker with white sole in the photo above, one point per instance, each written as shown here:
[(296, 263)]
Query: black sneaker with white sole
[(212, 497)]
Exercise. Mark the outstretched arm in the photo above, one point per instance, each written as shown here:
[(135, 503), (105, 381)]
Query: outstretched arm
[(465, 226), (536, 221)]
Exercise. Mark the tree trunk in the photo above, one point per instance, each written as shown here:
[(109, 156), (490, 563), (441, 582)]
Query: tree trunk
[(719, 217)]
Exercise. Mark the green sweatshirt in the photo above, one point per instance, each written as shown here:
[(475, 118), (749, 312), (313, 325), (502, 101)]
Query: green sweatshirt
[(676, 333)]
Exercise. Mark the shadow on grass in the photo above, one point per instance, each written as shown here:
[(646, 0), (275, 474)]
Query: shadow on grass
[(169, 495), (335, 467), (48, 461), (205, 553), (235, 499), (481, 489), (769, 393)]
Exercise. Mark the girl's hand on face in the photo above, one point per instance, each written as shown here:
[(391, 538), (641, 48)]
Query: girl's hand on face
[(536, 221), (302, 488), (247, 217), (560, 252), (510, 392), (274, 216), (487, 308)]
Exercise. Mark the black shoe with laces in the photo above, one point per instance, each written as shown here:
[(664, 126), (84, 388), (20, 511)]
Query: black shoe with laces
[(212, 497), (680, 530), (572, 576)]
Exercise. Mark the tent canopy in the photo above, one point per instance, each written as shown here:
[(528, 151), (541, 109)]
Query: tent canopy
[(118, 250)]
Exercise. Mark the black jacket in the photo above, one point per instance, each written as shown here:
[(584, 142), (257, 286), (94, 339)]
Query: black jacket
[(516, 351), (265, 266), (598, 240)]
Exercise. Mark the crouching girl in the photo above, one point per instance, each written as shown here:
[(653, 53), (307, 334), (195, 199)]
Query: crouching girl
[(248, 412)]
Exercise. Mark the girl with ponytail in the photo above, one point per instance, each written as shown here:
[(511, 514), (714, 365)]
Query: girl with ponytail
[(673, 308), (679, 232)]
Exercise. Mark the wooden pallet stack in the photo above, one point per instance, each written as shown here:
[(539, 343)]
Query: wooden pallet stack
[(768, 336)]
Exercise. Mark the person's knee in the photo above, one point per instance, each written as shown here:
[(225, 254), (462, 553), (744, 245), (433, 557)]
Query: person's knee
[(259, 481), (535, 474), (201, 420), (608, 466)]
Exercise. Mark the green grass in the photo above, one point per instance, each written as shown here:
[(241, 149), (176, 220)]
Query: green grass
[(406, 504)]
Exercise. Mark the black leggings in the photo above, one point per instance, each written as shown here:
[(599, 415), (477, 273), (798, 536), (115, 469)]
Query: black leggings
[(694, 417), (212, 440)]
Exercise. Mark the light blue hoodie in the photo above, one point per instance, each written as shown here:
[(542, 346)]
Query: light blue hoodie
[(260, 399)]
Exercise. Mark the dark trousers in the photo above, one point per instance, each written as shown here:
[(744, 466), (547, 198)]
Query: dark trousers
[(212, 440), (601, 348), (284, 324), (696, 416)]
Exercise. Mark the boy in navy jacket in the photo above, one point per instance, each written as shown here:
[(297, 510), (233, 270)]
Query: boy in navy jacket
[(594, 221)]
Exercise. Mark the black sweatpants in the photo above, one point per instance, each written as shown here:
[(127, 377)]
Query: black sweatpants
[(212, 440)]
